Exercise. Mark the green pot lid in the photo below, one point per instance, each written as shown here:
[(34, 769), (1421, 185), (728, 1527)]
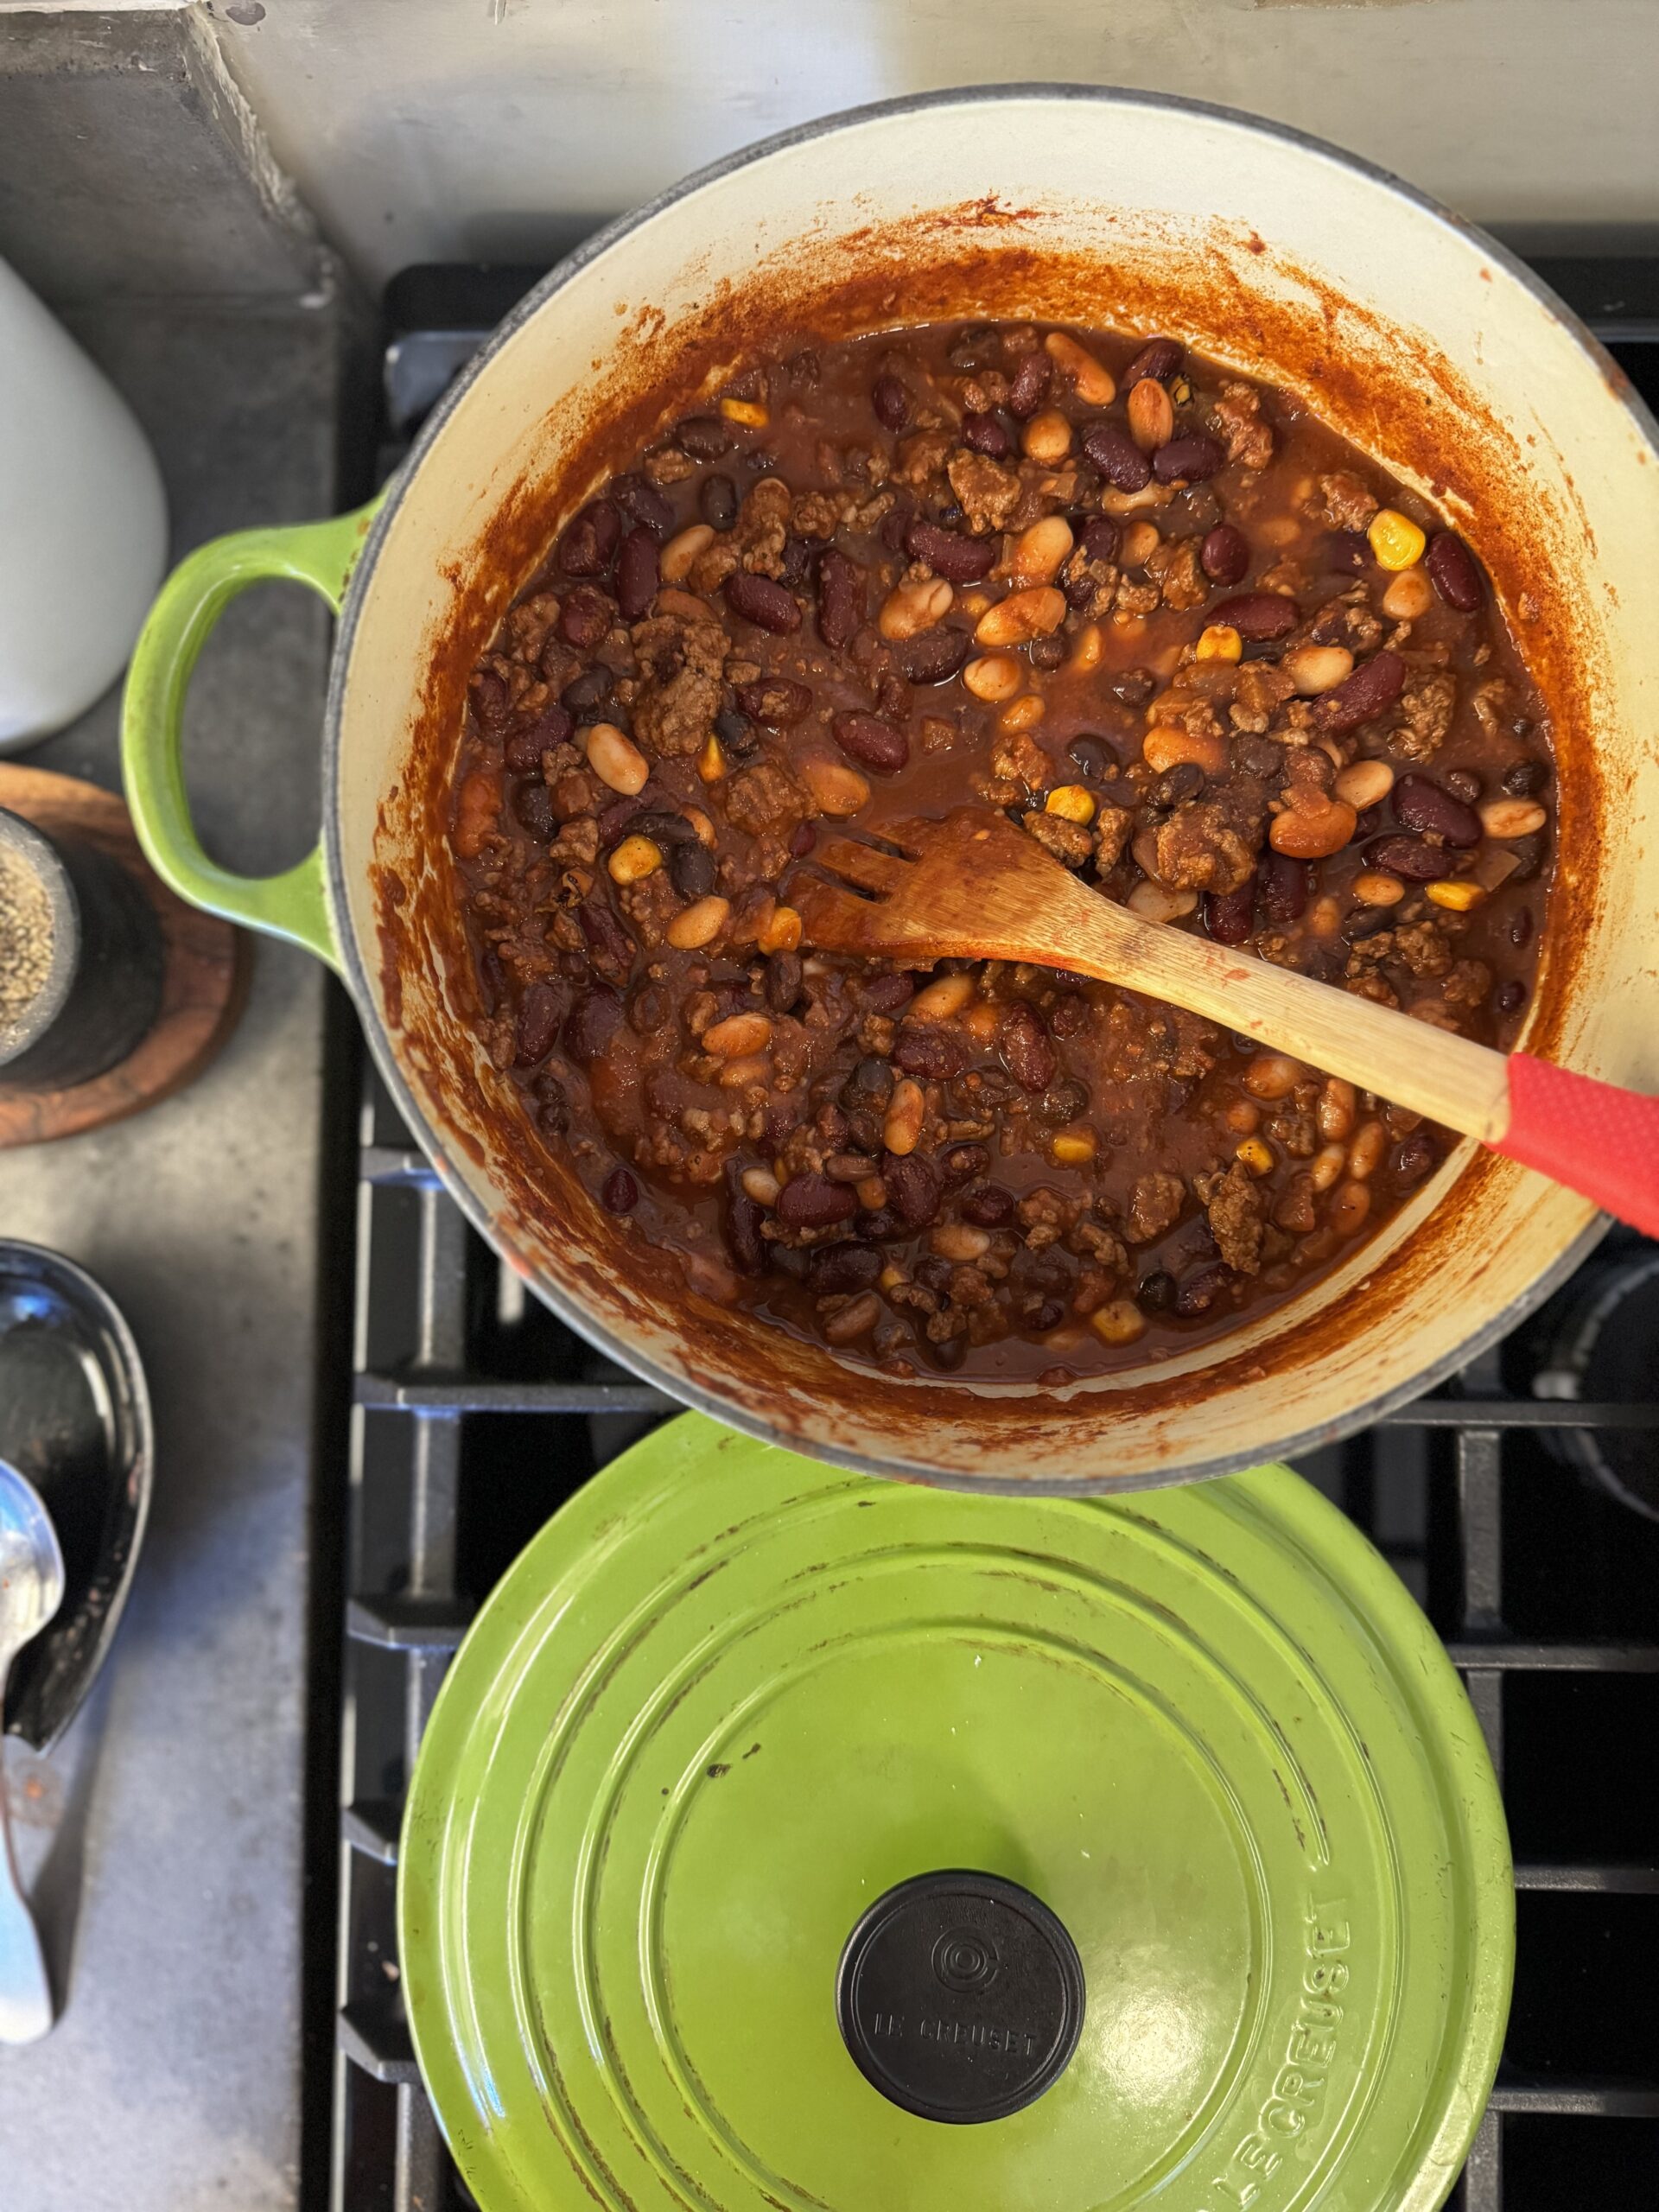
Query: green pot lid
[(771, 1819)]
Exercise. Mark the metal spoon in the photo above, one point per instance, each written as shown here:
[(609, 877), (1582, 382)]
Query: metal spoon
[(31, 1589)]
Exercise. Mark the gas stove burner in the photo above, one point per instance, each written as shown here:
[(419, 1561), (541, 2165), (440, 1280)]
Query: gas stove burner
[(1607, 1351)]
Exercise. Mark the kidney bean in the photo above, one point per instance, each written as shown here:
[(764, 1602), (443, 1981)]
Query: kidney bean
[(1197, 1292), (636, 573), (489, 697), (642, 503), (776, 700), (1160, 358), (1116, 455), (660, 824), (692, 870), (614, 821), (928, 1050), (841, 598), (1258, 616), (812, 1201), (1525, 781), (591, 689), (1190, 459), (886, 994), (914, 1186), (758, 599), (1453, 571), (784, 978), (873, 1222), (618, 1193), (585, 618), (1229, 915), (589, 546), (964, 1162), (1099, 538), (1414, 1157), (834, 1269), (959, 560), (1410, 858), (872, 744), (541, 1011), (1225, 555), (607, 939), (933, 656), (1421, 804), (891, 401), (1374, 685), (525, 748), (749, 1249), (988, 1206), (533, 804), (704, 436), (1025, 1048), (1283, 884), (1029, 387), (803, 842), (984, 433), (592, 1023), (717, 502)]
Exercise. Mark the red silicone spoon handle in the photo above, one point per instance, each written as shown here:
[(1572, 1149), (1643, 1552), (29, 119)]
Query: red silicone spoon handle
[(1590, 1135)]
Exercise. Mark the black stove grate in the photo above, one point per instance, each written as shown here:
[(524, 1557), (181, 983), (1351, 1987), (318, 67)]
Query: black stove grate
[(477, 1413)]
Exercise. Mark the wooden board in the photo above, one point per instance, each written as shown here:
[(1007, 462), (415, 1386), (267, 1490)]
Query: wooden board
[(204, 978)]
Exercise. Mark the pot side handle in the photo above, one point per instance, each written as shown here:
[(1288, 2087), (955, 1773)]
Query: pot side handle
[(293, 905)]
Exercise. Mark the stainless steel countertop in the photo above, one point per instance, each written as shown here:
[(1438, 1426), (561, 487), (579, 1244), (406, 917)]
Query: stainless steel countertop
[(165, 1836)]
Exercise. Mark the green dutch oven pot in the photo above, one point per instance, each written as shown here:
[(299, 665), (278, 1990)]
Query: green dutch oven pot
[(783, 1839)]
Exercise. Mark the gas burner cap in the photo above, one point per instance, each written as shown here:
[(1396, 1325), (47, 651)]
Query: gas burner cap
[(960, 1997)]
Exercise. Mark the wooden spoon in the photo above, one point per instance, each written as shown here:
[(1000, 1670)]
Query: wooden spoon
[(974, 887)]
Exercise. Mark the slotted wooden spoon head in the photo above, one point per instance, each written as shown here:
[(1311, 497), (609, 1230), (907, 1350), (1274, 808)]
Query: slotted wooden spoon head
[(972, 886)]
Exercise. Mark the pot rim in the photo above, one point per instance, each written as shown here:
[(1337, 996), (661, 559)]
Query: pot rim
[(685, 1391)]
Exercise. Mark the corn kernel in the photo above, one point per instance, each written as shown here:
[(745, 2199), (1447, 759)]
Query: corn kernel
[(749, 412), (780, 932), (1071, 801), (1395, 539), (1458, 894), (1255, 1154), (711, 761), (1180, 392), (1072, 1149), (634, 857), (1118, 1322), (1219, 642)]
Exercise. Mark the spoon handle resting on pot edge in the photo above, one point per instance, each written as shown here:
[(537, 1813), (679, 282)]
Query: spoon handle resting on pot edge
[(975, 886)]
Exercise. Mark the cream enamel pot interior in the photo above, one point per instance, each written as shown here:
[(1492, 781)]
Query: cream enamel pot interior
[(1417, 337)]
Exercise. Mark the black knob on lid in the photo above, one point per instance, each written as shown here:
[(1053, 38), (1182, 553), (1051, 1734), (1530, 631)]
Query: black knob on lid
[(960, 1996)]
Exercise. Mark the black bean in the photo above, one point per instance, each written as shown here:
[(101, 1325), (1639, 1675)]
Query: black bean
[(1520, 930), (525, 748), (592, 1023), (1047, 653), (489, 698), (948, 1353), (591, 689), (1284, 886), (737, 734), (1257, 756), (1258, 616), (1414, 1157), (1160, 358), (1511, 998), (1026, 1050), (620, 1192), (1133, 686), (533, 804), (927, 1050), (589, 546), (964, 1162), (870, 1084), (784, 979), (1029, 386), (841, 598), (1530, 856), (1093, 755), (832, 1269), (660, 824), (743, 1217), (616, 818), (872, 743), (1410, 858), (717, 502), (1188, 458), (1421, 804), (1348, 552), (1178, 785), (1374, 685), (704, 437), (1197, 1293), (914, 1186), (1225, 555), (643, 503), (541, 1011), (1116, 455), (988, 1205), (812, 1201), (986, 434), (692, 870), (891, 401), (1065, 1100), (1365, 921), (649, 1009), (552, 1105), (636, 573), (934, 656), (1463, 784), (756, 599), (1049, 1315), (1155, 1293), (959, 560), (1453, 571), (1526, 779), (1229, 915), (798, 556)]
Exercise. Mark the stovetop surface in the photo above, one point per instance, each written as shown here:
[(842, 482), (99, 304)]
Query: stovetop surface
[(1503, 1501)]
